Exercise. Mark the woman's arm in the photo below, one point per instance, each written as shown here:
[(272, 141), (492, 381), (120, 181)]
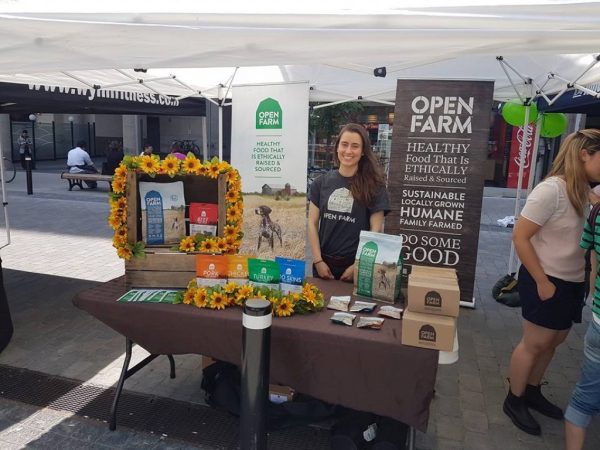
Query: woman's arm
[(523, 232), (315, 246)]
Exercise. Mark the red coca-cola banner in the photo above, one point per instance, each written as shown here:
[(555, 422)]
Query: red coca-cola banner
[(514, 161)]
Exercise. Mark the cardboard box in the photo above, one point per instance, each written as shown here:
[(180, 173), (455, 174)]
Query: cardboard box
[(280, 394), (428, 330), (162, 267), (433, 296)]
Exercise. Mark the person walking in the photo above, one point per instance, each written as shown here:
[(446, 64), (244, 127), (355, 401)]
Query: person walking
[(551, 288), (25, 144), (344, 202)]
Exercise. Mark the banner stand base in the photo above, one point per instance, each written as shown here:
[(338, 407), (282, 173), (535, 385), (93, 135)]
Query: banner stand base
[(468, 304)]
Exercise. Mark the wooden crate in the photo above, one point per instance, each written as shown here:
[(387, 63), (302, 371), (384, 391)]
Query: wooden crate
[(162, 267)]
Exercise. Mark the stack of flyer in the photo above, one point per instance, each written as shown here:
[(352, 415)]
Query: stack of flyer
[(433, 303)]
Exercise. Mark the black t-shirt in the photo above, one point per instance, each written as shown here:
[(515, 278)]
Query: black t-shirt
[(341, 218)]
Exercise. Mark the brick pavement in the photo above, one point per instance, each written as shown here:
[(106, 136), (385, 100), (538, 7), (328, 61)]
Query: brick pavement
[(61, 245)]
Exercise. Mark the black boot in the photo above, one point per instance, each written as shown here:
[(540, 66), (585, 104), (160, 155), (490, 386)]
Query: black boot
[(534, 399), (515, 408)]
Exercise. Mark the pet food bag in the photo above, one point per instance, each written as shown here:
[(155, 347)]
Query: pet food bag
[(237, 268), (291, 274), (378, 267), (163, 212), (263, 273), (211, 270), (204, 218)]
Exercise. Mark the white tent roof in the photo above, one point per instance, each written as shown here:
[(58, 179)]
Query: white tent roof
[(335, 45)]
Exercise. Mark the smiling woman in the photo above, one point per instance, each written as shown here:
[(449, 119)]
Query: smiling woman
[(343, 203)]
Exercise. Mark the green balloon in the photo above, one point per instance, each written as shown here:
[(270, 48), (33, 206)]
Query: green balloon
[(553, 125), (513, 112)]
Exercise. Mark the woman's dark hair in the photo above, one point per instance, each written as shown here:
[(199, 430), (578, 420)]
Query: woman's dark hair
[(369, 178)]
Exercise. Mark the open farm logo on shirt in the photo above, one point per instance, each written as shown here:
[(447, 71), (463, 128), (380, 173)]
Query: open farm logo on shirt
[(340, 200), (269, 115)]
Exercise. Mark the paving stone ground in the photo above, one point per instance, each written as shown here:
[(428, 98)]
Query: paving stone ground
[(61, 244)]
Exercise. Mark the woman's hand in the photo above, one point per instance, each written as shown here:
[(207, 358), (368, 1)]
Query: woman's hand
[(546, 290), (323, 270), (348, 274)]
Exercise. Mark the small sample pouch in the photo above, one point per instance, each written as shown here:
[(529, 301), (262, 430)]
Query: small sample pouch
[(204, 218), (237, 268), (291, 274), (263, 273), (211, 270)]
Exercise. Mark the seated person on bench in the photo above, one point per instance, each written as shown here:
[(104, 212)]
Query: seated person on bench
[(79, 161)]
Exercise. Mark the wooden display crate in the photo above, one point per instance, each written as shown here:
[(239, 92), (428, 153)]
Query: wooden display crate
[(162, 267)]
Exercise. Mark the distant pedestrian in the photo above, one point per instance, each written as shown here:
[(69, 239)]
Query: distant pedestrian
[(148, 150), (551, 287), (114, 156), (79, 161), (25, 146), (176, 151)]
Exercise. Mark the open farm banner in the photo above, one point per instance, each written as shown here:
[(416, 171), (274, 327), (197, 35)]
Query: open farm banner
[(269, 135), (439, 146)]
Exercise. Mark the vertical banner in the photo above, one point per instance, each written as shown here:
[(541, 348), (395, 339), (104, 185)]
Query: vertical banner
[(269, 136), (514, 161), (439, 147)]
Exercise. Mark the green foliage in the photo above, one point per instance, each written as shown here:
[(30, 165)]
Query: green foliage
[(139, 249), (325, 122)]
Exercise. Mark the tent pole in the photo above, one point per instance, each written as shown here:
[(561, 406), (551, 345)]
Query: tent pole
[(4, 202), (220, 125), (522, 155), (534, 154)]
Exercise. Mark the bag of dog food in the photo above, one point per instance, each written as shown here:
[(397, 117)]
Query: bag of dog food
[(378, 269), (263, 273), (291, 274), (237, 268), (211, 270), (163, 212)]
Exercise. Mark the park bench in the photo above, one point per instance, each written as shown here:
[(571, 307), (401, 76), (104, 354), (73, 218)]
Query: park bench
[(77, 179)]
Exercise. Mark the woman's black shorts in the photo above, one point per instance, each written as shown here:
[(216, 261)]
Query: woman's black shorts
[(559, 311)]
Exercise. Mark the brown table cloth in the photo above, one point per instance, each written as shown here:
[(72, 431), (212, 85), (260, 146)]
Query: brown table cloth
[(363, 369)]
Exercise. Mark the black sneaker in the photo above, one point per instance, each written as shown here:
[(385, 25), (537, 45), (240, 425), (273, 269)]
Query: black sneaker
[(535, 400), (516, 409)]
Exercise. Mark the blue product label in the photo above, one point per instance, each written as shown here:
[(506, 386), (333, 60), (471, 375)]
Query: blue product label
[(292, 271)]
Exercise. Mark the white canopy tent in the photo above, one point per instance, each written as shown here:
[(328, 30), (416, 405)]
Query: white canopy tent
[(189, 48)]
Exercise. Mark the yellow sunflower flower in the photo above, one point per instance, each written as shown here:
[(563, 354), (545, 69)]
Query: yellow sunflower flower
[(231, 195), (284, 308), (218, 301), (170, 165), (122, 202), (121, 171), (310, 297), (224, 166), (230, 287), (233, 213), (118, 186), (201, 298), (221, 245), (245, 292), (203, 170), (208, 246), (187, 244), (191, 164), (149, 164), (213, 170), (124, 252), (119, 241), (121, 232), (189, 295), (230, 231), (115, 221)]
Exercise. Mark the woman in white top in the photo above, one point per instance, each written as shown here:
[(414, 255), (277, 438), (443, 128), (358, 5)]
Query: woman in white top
[(546, 238)]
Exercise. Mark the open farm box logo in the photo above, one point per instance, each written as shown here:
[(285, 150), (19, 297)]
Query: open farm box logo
[(427, 333), (433, 298), (269, 115)]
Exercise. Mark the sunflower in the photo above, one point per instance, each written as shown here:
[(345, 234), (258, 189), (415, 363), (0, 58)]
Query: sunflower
[(124, 252), (284, 308), (191, 165), (119, 241), (244, 293), (223, 166), (233, 214), (121, 202), (213, 170), (218, 301), (230, 231), (231, 195), (115, 221), (188, 244), (200, 298), (310, 297), (208, 246), (149, 164), (170, 165), (121, 232), (203, 170), (230, 287), (222, 245), (118, 185), (189, 295), (121, 171)]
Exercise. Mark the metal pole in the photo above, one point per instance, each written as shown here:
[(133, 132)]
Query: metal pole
[(28, 173), (256, 353)]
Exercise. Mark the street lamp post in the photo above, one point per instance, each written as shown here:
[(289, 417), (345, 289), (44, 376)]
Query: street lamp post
[(71, 119), (32, 118)]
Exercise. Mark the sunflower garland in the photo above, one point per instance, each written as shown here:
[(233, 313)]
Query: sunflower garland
[(310, 299), (152, 165)]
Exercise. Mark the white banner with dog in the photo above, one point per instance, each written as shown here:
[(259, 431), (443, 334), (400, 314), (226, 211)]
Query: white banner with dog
[(269, 136)]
